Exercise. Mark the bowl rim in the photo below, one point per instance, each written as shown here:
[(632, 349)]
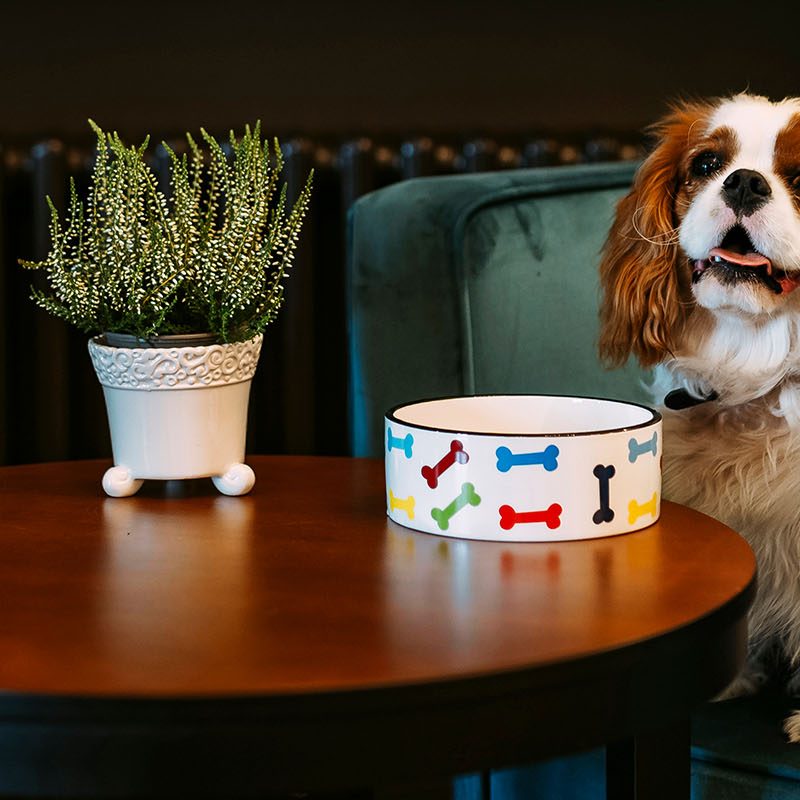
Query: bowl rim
[(656, 415)]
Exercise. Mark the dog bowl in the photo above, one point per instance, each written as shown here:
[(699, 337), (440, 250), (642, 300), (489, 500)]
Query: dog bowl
[(523, 468)]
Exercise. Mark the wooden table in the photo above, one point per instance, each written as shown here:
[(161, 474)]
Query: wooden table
[(184, 643)]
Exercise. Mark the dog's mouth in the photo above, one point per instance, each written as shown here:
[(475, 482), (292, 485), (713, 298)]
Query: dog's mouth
[(736, 260)]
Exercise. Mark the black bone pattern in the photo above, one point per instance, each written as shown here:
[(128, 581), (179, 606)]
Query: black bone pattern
[(604, 474)]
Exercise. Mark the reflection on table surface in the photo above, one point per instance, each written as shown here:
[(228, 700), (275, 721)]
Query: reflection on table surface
[(305, 585)]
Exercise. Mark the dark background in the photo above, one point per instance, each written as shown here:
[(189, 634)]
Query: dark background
[(368, 94), (410, 66)]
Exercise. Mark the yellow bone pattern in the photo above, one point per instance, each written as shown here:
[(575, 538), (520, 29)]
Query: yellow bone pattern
[(404, 504), (635, 510)]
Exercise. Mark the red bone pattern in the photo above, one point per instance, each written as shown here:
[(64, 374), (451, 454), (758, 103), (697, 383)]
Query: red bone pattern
[(551, 516), (456, 453)]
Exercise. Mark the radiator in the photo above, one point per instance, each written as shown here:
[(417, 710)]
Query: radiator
[(51, 405)]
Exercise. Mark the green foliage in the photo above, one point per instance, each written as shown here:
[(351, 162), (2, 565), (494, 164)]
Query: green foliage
[(211, 258)]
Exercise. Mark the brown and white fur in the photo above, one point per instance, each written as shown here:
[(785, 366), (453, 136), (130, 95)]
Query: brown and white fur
[(717, 311)]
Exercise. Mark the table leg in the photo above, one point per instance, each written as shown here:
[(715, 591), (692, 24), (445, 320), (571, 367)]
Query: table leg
[(650, 766)]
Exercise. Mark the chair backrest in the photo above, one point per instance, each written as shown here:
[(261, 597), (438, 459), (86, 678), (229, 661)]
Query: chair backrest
[(479, 284)]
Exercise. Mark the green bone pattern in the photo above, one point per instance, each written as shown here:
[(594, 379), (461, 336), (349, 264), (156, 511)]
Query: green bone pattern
[(443, 515)]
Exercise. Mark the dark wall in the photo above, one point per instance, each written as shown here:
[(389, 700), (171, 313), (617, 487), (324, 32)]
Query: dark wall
[(403, 67)]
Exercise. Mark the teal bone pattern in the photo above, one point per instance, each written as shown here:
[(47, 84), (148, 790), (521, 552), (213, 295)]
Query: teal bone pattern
[(405, 443), (636, 449)]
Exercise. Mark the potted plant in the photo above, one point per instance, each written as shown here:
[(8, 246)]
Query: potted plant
[(176, 293)]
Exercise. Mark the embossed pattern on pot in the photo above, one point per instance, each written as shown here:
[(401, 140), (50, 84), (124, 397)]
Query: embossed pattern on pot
[(176, 367)]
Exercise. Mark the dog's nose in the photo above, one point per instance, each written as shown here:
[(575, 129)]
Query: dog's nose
[(745, 191)]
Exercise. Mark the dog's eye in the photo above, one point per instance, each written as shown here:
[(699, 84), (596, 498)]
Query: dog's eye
[(706, 164)]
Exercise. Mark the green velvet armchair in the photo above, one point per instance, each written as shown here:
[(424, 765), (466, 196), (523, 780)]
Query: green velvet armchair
[(478, 284), (488, 283)]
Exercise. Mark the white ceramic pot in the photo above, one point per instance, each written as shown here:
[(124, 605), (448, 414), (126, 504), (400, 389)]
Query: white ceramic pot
[(177, 412)]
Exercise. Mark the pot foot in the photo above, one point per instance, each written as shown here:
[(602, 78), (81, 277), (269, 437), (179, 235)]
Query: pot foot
[(238, 479), (118, 482)]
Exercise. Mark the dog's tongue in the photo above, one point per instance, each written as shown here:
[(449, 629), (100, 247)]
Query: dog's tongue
[(755, 260), (743, 259)]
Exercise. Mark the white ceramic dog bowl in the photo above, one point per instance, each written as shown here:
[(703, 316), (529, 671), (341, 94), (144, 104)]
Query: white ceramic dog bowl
[(523, 468)]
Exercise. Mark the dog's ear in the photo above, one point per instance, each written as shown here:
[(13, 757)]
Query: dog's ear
[(645, 302)]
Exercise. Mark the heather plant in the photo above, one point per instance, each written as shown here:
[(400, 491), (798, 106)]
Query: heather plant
[(212, 257)]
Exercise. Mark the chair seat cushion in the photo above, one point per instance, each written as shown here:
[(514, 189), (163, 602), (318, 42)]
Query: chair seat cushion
[(739, 746)]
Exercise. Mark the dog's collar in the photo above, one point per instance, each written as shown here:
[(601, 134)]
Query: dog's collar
[(679, 399)]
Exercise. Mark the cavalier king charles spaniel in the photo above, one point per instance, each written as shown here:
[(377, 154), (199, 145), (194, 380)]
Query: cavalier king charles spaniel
[(699, 277)]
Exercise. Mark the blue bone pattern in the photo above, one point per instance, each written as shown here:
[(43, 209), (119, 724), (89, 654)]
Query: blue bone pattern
[(636, 449), (396, 443), (548, 458)]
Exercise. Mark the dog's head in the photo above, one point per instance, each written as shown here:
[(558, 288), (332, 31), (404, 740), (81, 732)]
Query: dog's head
[(710, 228)]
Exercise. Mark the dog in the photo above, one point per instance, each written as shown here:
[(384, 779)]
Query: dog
[(699, 279)]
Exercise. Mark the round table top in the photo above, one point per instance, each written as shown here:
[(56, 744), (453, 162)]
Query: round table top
[(305, 586)]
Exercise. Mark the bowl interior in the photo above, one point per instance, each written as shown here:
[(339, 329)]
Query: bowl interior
[(524, 415)]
